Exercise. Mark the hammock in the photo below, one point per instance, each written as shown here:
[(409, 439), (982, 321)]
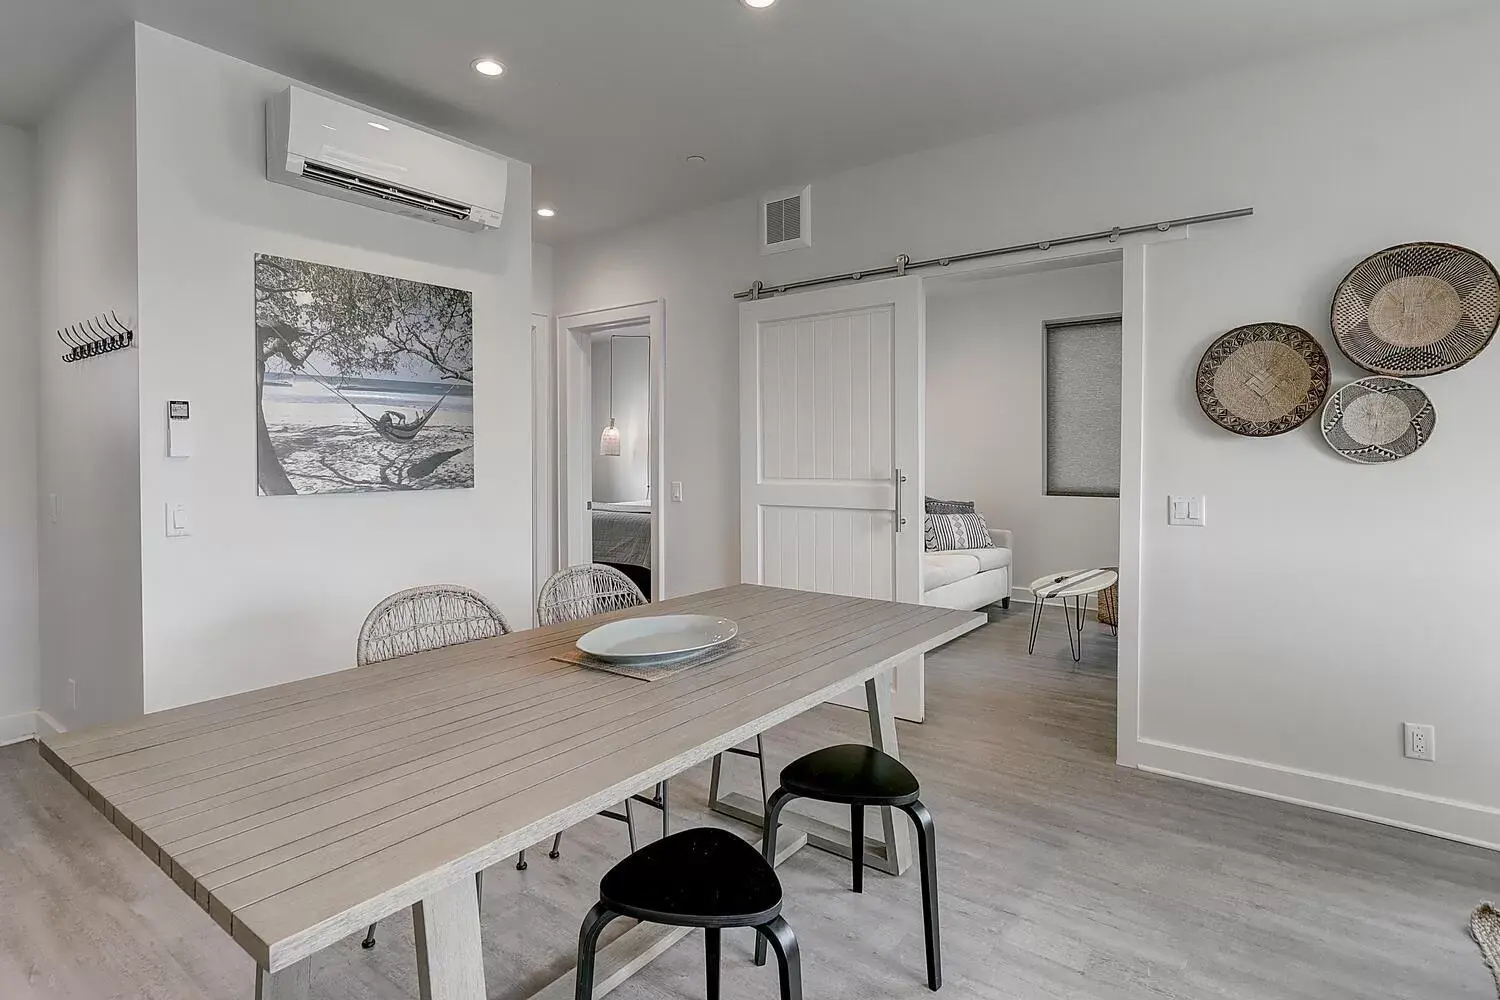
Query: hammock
[(392, 425)]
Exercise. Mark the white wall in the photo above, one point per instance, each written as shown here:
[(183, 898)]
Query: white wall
[(20, 643), (986, 419), (623, 477), (1283, 645), (89, 441), (268, 589)]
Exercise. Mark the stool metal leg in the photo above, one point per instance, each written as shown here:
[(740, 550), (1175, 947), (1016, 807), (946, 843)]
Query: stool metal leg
[(1075, 630), (369, 941), (788, 955), (711, 960), (556, 851), (1037, 605), (857, 845), (588, 943), (768, 851), (521, 861), (927, 848)]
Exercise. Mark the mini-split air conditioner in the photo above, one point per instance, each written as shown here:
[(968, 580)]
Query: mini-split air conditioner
[(346, 152)]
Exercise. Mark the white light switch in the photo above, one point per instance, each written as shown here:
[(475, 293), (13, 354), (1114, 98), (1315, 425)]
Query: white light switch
[(1187, 511), (177, 520), (677, 492)]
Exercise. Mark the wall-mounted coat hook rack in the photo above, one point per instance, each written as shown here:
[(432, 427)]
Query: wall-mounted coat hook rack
[(101, 334)]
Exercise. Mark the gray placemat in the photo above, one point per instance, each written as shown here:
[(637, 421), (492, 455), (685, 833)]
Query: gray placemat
[(649, 672)]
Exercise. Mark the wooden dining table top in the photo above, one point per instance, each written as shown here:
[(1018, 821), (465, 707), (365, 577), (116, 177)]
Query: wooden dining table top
[(296, 814)]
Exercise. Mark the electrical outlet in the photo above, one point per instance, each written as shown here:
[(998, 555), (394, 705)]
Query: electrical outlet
[(72, 693), (52, 507), (1421, 741)]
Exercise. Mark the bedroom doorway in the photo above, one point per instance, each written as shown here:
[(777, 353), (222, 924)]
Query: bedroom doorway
[(610, 447)]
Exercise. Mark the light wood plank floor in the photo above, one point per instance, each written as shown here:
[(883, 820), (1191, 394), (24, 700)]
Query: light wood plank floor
[(1062, 876)]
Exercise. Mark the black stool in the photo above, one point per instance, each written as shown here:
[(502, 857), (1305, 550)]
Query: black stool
[(860, 776), (705, 878)]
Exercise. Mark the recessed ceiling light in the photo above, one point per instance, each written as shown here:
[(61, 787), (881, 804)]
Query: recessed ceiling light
[(488, 67), (546, 212), (757, 4), (383, 128), (696, 158)]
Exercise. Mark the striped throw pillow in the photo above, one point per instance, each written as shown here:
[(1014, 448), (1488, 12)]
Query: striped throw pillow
[(946, 532)]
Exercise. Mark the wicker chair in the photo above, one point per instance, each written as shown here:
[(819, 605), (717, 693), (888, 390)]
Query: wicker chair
[(582, 592), (585, 591), (423, 618)]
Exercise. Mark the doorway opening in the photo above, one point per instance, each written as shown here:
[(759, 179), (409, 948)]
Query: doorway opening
[(1023, 456), (610, 370)]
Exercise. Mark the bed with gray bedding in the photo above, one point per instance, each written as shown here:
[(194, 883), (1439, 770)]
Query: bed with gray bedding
[(622, 534)]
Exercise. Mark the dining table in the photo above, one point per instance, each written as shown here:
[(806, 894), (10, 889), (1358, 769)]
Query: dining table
[(296, 815)]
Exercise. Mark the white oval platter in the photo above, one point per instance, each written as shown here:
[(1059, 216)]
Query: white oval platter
[(656, 638)]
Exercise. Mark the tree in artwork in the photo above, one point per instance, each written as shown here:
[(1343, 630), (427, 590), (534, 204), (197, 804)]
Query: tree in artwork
[(363, 381)]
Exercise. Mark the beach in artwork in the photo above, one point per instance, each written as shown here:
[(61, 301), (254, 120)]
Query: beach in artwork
[(364, 382)]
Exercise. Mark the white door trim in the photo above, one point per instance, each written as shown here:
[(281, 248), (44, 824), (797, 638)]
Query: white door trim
[(544, 451), (1133, 252), (577, 437)]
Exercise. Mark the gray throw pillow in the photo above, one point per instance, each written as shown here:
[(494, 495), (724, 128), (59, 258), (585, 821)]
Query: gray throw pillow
[(935, 506)]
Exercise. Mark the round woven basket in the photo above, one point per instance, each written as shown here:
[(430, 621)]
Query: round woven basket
[(1262, 379), (1377, 420), (1417, 309)]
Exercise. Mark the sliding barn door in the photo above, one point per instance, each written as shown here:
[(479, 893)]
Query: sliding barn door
[(831, 448)]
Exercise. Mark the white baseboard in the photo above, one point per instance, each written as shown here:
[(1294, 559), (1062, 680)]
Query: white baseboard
[(15, 728), (46, 725), (1450, 819)]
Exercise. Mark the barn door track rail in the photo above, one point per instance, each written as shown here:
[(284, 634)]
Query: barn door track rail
[(905, 265)]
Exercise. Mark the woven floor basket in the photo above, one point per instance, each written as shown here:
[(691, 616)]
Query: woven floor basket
[(1109, 604)]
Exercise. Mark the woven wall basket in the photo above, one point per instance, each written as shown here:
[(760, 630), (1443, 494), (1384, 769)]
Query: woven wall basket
[(1417, 309), (1378, 420), (1262, 379)]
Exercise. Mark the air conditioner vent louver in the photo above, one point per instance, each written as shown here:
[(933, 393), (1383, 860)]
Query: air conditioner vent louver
[(784, 222), (324, 174)]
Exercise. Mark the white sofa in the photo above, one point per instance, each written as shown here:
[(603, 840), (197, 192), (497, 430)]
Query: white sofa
[(968, 579)]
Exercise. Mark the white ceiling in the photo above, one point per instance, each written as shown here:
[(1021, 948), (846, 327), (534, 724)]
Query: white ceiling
[(608, 97)]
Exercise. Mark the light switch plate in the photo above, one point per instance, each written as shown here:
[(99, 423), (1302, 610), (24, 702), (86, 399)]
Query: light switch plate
[(177, 521), (676, 492), (1187, 511)]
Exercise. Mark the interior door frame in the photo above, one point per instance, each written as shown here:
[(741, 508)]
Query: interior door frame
[(577, 438), (544, 451), (1133, 253)]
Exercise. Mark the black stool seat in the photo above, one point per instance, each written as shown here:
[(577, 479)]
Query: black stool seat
[(706, 878), (697, 878), (851, 774)]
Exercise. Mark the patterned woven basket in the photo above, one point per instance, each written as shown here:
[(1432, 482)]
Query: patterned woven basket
[(1109, 603)]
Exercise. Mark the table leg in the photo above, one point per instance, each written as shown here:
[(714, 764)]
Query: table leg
[(292, 983), (898, 855), (1075, 629), (450, 961)]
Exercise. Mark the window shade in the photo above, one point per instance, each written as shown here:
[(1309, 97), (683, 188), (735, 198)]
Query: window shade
[(1083, 408)]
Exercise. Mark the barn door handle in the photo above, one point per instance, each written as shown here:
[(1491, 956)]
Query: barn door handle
[(900, 520)]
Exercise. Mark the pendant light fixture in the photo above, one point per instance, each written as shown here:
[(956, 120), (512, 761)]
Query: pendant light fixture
[(609, 441)]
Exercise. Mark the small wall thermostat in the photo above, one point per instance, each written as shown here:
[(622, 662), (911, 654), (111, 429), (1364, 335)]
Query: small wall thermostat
[(179, 429)]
